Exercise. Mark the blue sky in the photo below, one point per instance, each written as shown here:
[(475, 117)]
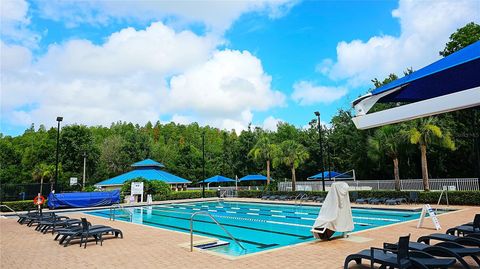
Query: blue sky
[(224, 64)]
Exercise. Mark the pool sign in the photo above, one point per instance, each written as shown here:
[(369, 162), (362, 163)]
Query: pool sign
[(137, 189), (73, 181), (428, 209)]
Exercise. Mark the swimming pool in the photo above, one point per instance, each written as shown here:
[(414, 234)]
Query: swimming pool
[(257, 226)]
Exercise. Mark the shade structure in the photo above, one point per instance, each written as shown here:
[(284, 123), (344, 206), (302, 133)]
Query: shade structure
[(449, 84), (253, 178), (218, 179), (147, 169), (330, 174)]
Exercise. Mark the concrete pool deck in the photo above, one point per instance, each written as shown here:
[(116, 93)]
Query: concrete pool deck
[(149, 247)]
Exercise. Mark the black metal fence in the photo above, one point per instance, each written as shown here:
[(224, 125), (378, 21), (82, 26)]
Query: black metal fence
[(17, 192)]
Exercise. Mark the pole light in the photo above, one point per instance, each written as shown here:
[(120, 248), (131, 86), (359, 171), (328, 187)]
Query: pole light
[(59, 119), (321, 148), (84, 167), (327, 143), (203, 164)]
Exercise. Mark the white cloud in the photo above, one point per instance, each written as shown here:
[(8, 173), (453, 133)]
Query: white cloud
[(425, 28), (137, 76), (215, 15), (230, 82), (306, 93), (271, 123), (14, 21)]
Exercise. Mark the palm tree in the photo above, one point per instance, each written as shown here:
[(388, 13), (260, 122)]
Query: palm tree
[(43, 171), (425, 132), (292, 154), (387, 140), (263, 151)]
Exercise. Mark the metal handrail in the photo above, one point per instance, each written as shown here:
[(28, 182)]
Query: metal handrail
[(300, 197), (9, 208), (216, 222), (114, 207)]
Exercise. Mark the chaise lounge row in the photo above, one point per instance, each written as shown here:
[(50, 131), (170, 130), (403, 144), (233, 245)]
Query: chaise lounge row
[(421, 254), (67, 229)]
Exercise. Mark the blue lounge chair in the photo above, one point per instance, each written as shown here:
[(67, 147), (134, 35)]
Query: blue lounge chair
[(464, 241)]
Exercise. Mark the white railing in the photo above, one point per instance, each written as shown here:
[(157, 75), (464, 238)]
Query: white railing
[(436, 184)]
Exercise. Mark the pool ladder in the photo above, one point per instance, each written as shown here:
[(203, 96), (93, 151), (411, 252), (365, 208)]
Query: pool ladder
[(299, 198), (216, 222), (114, 208)]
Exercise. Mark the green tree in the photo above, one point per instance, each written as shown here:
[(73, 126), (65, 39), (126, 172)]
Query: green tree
[(43, 171), (463, 37), (425, 132), (387, 140), (263, 151), (113, 154), (291, 154)]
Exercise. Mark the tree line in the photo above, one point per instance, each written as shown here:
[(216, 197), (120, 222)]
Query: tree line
[(438, 147)]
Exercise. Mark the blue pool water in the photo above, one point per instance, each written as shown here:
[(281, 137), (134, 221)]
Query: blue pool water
[(257, 226)]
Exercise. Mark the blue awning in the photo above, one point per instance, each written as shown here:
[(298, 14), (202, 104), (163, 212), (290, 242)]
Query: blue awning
[(456, 72), (218, 179), (449, 84), (253, 177), (331, 174)]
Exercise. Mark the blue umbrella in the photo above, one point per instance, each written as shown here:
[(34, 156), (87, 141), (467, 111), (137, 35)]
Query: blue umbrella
[(332, 174), (218, 179), (254, 177)]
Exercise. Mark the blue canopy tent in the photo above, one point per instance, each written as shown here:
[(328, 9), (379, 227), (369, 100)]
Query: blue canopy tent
[(217, 179), (331, 175), (253, 178), (449, 84)]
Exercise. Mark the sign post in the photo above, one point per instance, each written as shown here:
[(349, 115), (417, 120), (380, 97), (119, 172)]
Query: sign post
[(137, 189), (427, 209)]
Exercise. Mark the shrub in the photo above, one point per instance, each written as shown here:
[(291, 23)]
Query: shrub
[(184, 195), (20, 205)]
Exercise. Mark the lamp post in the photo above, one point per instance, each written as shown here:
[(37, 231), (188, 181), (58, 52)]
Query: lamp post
[(328, 157), (84, 167), (203, 164), (59, 119), (321, 148)]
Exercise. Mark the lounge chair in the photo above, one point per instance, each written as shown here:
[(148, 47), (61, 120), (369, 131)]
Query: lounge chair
[(265, 197), (363, 200), (353, 196), (399, 258), (24, 217), (273, 197), (376, 201), (320, 199), (283, 197), (466, 229), (444, 249), (395, 201), (47, 225), (87, 231), (413, 197), (465, 241)]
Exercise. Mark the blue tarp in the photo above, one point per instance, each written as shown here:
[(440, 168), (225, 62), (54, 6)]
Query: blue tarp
[(456, 72), (83, 199)]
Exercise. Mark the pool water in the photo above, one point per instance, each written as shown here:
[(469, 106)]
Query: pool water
[(257, 226)]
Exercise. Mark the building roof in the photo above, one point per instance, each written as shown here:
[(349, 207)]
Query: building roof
[(147, 163), (147, 169)]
